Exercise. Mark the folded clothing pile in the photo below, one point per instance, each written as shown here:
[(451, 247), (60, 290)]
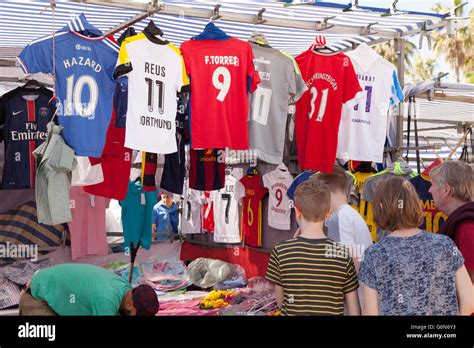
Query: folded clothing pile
[(122, 269), (21, 272), (9, 293), (187, 307), (165, 275), (256, 299), (13, 276)]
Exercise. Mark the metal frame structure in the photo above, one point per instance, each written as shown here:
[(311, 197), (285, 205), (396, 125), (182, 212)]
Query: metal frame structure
[(324, 24)]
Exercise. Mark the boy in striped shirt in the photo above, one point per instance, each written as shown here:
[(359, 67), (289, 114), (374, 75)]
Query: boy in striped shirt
[(313, 275)]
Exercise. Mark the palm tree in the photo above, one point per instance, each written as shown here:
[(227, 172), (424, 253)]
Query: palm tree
[(422, 69), (387, 50), (457, 48)]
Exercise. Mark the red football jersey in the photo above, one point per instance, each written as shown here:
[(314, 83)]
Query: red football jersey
[(251, 228), (332, 83), (116, 161), (222, 74)]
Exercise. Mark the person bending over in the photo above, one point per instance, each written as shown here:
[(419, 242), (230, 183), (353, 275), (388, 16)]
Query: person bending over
[(80, 289), (411, 272), (312, 274)]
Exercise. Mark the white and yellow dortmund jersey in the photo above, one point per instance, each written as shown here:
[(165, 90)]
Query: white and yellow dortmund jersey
[(155, 72)]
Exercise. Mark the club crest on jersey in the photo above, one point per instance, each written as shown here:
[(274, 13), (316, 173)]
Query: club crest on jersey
[(345, 62), (43, 111), (85, 48)]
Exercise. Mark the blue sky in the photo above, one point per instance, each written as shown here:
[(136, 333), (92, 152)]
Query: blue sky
[(417, 5)]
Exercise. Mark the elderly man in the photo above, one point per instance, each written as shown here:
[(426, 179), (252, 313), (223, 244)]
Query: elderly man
[(452, 190), (80, 289)]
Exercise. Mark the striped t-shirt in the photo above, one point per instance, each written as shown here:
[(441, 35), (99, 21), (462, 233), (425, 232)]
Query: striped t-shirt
[(314, 274)]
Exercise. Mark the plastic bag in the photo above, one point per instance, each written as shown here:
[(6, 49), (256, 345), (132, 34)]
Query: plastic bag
[(236, 280), (206, 273)]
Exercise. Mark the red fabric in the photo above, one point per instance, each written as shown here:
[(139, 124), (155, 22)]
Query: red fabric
[(116, 161), (436, 163), (191, 307), (208, 220), (254, 262), (219, 117), (464, 239), (332, 81), (252, 210)]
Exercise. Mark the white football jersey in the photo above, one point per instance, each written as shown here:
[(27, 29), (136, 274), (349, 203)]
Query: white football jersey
[(226, 211), (279, 211), (191, 217), (155, 73), (363, 127)]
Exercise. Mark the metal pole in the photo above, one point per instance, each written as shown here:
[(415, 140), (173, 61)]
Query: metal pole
[(400, 50)]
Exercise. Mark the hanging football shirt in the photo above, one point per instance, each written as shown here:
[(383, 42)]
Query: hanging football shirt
[(226, 211), (332, 83), (279, 211), (365, 208), (174, 169), (207, 169), (363, 127), (155, 72), (433, 219), (84, 81), (24, 115), (191, 221), (222, 73), (269, 103), (115, 163), (252, 196)]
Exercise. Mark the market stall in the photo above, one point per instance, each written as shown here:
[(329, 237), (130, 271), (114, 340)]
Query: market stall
[(187, 161)]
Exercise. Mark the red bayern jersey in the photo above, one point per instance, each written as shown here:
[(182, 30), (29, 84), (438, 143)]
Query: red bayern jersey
[(251, 228), (222, 74), (332, 83)]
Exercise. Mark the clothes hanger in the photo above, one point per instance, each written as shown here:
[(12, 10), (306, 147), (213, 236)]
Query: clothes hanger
[(32, 84), (251, 171), (154, 33), (321, 46)]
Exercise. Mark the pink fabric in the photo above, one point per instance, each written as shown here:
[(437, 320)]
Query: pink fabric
[(87, 228), (190, 307)]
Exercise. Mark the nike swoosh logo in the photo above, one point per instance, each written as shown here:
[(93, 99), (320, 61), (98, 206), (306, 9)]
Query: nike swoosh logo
[(16, 113)]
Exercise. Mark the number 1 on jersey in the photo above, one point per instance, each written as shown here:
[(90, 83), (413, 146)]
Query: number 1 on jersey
[(322, 106)]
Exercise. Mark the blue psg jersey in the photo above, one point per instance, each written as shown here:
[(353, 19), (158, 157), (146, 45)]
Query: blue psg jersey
[(24, 114), (84, 67)]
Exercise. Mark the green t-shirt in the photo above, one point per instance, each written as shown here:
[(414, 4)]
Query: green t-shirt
[(79, 289)]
